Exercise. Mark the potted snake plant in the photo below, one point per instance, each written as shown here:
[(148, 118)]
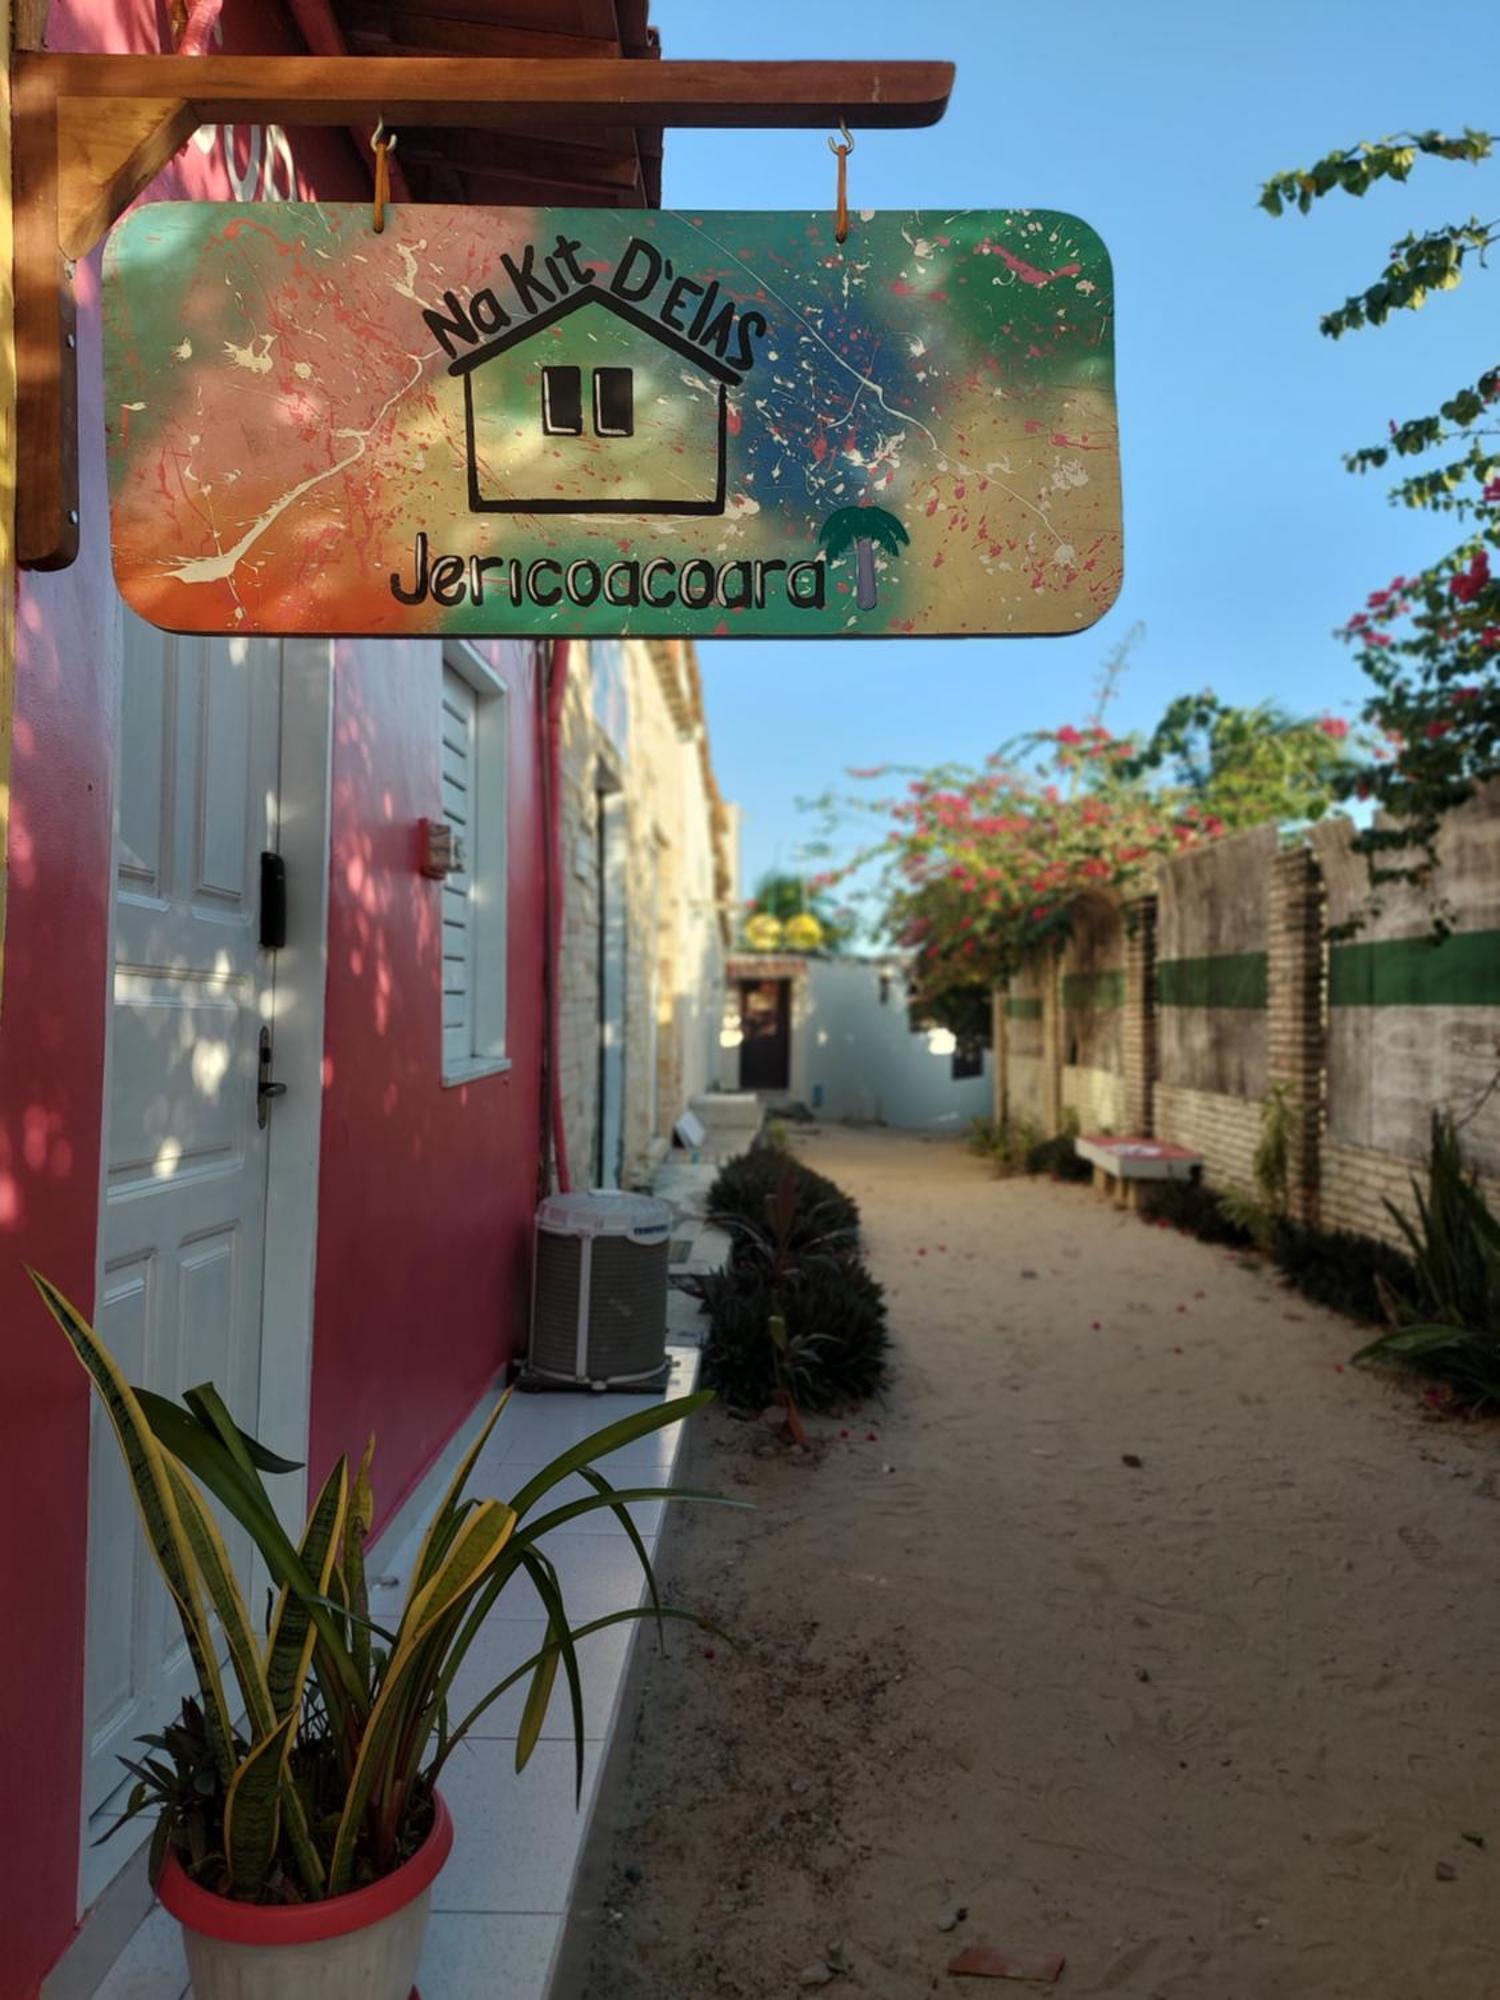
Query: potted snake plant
[(299, 1826)]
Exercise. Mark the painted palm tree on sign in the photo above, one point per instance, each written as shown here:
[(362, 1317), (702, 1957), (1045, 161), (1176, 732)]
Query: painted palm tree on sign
[(860, 528)]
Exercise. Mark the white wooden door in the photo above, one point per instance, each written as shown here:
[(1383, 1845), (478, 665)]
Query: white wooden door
[(183, 1228)]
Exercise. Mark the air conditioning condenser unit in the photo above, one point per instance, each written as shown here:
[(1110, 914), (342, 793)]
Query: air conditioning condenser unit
[(599, 1298)]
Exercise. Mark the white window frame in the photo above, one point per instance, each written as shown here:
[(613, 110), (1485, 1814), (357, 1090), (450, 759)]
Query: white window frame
[(486, 863), (602, 429), (550, 427)]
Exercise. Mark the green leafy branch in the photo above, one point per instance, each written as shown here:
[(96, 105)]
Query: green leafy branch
[(1445, 490), (1418, 434), (1355, 169), (1428, 644), (1432, 262)]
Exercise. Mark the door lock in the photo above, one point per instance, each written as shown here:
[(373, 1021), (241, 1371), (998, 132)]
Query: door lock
[(265, 1087)]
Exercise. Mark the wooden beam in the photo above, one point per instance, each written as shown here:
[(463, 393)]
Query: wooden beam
[(105, 161), (46, 339), (499, 90), (90, 131), (502, 185), (514, 154), (409, 32)]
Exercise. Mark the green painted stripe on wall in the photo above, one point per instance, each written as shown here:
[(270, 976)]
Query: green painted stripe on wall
[(1083, 991), (1462, 971), (1024, 1010), (1229, 979)]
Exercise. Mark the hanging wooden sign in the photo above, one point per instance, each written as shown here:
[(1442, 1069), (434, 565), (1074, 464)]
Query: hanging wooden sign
[(598, 421)]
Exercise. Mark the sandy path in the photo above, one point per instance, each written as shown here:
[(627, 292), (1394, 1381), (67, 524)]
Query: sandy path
[(1210, 1725)]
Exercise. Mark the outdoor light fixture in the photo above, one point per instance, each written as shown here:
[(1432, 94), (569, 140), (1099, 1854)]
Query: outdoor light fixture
[(442, 850)]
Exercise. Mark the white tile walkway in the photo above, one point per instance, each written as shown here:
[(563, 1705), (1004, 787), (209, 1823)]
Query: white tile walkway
[(498, 1906)]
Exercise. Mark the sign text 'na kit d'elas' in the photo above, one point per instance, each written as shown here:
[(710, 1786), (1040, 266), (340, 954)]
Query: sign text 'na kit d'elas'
[(549, 421)]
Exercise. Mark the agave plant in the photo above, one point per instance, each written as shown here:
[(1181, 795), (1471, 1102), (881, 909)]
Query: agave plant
[(317, 1775), (1449, 1326)]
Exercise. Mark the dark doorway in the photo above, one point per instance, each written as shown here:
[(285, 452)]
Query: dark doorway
[(766, 1034)]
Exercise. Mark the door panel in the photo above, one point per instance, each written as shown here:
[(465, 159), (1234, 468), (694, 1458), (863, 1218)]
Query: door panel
[(118, 1592), (766, 1035), (185, 1158)]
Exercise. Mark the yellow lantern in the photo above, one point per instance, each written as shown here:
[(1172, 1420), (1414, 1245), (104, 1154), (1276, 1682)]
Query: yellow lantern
[(804, 932), (763, 931)]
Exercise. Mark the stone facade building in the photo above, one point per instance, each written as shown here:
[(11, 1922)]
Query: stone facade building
[(648, 848)]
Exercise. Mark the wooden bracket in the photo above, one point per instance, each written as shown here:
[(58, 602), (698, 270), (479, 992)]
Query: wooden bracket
[(91, 131)]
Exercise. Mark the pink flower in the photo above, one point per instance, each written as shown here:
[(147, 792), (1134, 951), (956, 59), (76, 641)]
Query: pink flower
[(1334, 727), (1467, 585)]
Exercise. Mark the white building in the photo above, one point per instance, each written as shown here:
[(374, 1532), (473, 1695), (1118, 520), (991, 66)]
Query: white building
[(835, 1034)]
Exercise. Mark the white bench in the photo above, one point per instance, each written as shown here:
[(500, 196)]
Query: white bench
[(1124, 1165)]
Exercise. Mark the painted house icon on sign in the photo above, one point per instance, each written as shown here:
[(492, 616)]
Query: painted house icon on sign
[(592, 407)]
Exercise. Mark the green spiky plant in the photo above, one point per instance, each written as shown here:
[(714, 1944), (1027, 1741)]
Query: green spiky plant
[(327, 1782), (1448, 1323), (860, 528), (1261, 1213)]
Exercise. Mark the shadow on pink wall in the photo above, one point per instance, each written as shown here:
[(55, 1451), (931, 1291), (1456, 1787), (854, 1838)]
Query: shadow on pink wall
[(427, 1192)]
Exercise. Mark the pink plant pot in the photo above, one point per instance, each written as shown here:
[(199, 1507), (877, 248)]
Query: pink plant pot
[(364, 1946)]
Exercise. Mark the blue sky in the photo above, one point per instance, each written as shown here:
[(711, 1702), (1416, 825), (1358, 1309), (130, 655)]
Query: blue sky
[(1156, 120)]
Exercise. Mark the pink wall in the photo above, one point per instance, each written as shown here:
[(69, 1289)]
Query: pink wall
[(52, 1023), (426, 1193), (51, 1077)]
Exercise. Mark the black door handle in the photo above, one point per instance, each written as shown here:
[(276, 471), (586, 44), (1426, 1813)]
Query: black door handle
[(265, 1087)]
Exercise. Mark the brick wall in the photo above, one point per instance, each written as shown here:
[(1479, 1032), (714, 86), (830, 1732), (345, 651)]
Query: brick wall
[(1138, 1040), (1296, 984), (1032, 1045), (1095, 1098), (1090, 998), (1000, 1043), (1223, 1129), (1232, 986), (1213, 918), (1414, 1025), (1356, 1184)]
